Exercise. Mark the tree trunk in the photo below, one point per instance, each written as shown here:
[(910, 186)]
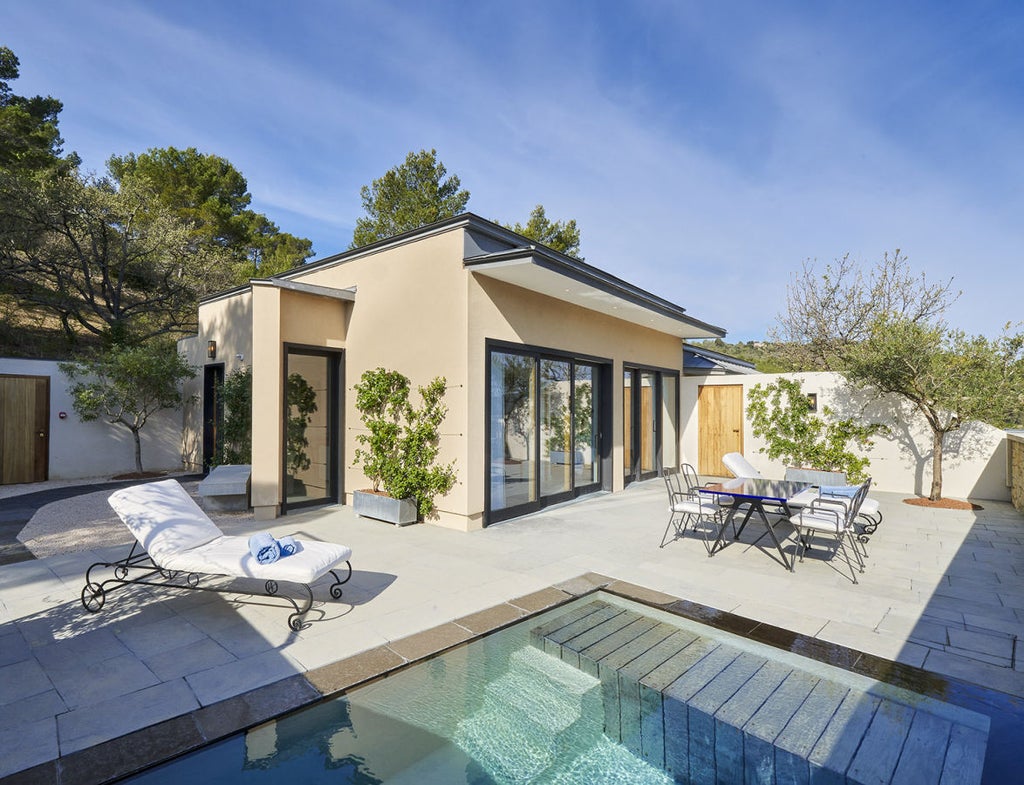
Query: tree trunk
[(138, 451), (936, 493)]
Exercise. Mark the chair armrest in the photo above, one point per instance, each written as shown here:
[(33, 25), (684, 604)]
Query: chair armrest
[(828, 504), (819, 510)]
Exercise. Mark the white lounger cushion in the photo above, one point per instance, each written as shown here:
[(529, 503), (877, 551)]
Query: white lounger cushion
[(178, 535), (739, 466), (164, 518), (230, 556)]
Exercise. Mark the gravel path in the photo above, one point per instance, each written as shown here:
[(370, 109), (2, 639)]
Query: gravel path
[(86, 521)]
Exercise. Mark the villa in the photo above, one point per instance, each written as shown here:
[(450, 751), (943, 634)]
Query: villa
[(535, 347)]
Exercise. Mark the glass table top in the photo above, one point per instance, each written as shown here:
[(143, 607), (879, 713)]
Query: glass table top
[(758, 488)]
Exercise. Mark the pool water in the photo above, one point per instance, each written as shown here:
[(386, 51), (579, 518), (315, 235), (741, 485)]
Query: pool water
[(498, 710), (603, 690)]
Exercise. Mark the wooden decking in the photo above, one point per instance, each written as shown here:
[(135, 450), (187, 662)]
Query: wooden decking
[(708, 707)]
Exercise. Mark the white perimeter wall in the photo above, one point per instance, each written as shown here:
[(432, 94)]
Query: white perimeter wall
[(974, 457), (98, 449)]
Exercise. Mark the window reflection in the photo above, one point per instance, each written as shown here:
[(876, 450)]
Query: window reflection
[(512, 428), (543, 428)]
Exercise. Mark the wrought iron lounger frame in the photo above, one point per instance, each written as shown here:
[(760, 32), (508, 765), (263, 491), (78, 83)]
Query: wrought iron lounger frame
[(94, 593)]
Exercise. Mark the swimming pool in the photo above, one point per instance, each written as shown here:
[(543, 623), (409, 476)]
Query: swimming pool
[(601, 690)]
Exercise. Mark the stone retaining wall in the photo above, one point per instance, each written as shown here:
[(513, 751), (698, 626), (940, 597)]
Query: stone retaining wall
[(1015, 458)]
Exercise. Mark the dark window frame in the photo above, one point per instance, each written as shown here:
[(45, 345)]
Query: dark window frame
[(602, 379), (335, 424), (635, 475)]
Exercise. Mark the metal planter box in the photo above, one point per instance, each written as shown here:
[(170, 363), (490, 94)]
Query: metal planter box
[(400, 512), (815, 476)]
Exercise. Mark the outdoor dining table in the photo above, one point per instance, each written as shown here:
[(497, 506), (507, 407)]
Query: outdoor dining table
[(754, 493)]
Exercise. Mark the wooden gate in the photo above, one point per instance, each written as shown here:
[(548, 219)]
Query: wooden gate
[(720, 426), (24, 428)]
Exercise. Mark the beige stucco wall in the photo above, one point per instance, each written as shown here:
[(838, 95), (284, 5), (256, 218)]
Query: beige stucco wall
[(418, 311), (1015, 461), (501, 311), (974, 457), (228, 321), (409, 315)]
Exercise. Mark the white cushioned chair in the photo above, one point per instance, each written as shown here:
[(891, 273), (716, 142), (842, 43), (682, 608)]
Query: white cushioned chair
[(687, 505), (833, 517)]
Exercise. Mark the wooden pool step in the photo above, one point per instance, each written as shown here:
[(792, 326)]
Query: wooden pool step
[(707, 706)]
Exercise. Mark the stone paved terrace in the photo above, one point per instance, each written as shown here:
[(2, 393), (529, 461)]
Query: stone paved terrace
[(942, 592)]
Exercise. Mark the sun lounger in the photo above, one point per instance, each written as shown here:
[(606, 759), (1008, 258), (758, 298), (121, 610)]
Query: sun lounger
[(177, 545)]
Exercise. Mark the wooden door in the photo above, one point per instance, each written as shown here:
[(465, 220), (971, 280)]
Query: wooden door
[(720, 426), (24, 428)]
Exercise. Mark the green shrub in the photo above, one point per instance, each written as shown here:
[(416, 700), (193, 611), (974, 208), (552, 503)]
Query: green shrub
[(399, 449), (780, 413), (235, 438)]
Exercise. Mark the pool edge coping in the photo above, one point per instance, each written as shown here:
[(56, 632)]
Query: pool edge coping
[(118, 758)]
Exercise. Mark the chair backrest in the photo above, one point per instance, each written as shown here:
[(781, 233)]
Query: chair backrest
[(672, 485), (739, 466), (689, 476), (858, 499), (851, 507)]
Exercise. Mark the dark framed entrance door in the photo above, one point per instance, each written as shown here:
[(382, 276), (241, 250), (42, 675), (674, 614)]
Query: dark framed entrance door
[(312, 427), (213, 413)]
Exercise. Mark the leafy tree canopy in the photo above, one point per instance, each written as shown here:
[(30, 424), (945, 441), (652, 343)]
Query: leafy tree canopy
[(29, 139), (408, 196), (828, 312), (885, 332), (113, 262), (563, 236), (211, 196)]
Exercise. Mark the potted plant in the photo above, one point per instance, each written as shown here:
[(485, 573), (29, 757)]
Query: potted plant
[(815, 449), (399, 448), (301, 407)]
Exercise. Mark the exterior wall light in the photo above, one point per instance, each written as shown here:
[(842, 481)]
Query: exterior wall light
[(211, 350)]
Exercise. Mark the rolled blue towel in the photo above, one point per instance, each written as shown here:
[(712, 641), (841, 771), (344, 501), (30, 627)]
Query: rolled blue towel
[(288, 545), (264, 548), (840, 490)]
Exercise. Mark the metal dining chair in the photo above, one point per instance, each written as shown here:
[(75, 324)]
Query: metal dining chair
[(687, 505)]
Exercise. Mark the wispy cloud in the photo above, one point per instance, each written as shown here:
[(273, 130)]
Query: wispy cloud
[(705, 150)]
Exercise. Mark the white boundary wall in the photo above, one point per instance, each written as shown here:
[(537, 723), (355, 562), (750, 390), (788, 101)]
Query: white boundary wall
[(98, 449), (974, 457)]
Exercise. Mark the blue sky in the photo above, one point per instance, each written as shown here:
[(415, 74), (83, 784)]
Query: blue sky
[(705, 149)]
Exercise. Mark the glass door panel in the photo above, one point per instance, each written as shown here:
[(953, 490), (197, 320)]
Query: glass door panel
[(513, 429), (669, 422), (627, 424), (648, 447), (585, 431), (308, 438), (557, 453)]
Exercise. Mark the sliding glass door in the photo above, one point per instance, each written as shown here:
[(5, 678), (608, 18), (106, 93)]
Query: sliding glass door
[(543, 430), (650, 407)]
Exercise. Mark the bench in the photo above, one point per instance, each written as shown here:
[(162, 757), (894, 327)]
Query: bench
[(226, 489)]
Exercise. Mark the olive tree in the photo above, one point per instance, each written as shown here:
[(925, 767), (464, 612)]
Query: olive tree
[(948, 376), (884, 331), (126, 385)]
